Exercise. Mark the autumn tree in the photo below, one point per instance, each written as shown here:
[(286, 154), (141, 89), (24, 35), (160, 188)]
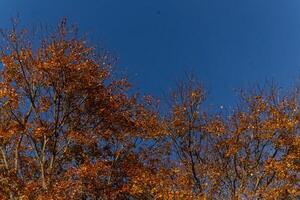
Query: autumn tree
[(259, 151), (193, 132), (71, 129), (252, 153)]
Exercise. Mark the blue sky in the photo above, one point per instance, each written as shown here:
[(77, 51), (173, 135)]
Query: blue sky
[(228, 44)]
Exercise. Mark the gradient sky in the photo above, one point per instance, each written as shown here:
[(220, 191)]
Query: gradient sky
[(229, 44)]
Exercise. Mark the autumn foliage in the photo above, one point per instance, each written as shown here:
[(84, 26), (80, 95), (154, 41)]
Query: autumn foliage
[(70, 129)]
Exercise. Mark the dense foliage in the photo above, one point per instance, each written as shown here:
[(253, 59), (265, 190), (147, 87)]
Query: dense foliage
[(70, 129)]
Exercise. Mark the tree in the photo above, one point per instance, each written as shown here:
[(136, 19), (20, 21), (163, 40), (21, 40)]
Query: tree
[(70, 129), (251, 154), (260, 148)]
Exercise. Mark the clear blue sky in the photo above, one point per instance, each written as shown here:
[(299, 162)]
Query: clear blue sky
[(228, 43)]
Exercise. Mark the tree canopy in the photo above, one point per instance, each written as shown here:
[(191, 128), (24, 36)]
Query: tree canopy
[(71, 129)]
